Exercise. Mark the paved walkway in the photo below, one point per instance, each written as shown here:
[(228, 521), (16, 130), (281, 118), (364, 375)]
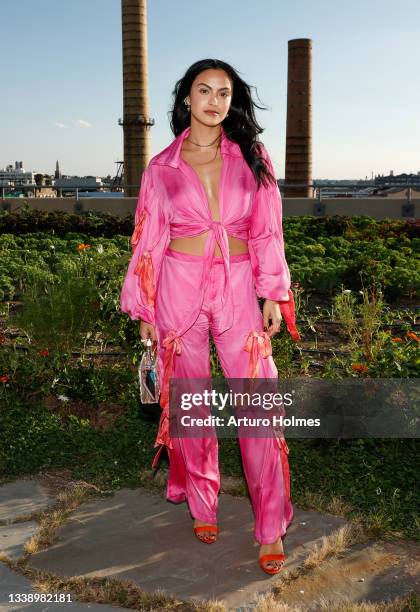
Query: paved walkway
[(139, 536)]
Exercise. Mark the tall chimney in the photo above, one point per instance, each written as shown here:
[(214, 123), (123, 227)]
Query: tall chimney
[(299, 119), (136, 121)]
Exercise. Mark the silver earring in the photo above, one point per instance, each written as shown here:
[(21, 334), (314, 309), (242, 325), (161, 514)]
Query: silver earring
[(187, 105)]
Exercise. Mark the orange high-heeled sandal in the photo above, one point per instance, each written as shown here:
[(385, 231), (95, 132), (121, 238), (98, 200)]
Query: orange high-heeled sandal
[(273, 557), (207, 539)]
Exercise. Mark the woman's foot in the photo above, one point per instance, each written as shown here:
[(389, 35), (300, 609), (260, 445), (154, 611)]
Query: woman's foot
[(273, 565), (206, 535)]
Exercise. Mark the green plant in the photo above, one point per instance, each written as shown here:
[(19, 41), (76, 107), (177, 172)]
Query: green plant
[(55, 318), (360, 321)]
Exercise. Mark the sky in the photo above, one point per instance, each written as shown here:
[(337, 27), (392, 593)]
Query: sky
[(62, 78)]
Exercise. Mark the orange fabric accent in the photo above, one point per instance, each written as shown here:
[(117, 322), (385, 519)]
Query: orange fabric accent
[(144, 270), (287, 310), (172, 345), (138, 229), (257, 343)]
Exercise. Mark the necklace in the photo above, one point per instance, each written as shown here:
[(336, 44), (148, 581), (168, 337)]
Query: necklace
[(199, 145)]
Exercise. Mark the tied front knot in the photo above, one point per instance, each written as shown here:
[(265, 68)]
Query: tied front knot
[(257, 343)]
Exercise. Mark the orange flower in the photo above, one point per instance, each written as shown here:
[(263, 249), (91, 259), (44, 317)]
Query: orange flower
[(2, 338), (44, 352), (82, 247), (4, 378), (413, 336), (396, 340), (359, 367)]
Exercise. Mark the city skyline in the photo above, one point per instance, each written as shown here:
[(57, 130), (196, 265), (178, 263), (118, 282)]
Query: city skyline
[(64, 80)]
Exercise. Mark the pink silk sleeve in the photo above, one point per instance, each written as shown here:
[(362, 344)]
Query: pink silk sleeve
[(149, 241), (271, 272), (266, 247)]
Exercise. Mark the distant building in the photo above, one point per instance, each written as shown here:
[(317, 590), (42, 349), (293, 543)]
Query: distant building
[(398, 179), (57, 173), (398, 192), (87, 183), (16, 176)]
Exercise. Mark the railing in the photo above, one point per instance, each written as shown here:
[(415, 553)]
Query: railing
[(342, 201), (314, 185)]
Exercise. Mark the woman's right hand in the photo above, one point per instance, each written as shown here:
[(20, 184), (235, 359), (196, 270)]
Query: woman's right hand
[(147, 330)]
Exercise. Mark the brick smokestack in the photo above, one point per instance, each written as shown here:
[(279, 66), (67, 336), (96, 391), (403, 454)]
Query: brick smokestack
[(299, 118), (136, 121)]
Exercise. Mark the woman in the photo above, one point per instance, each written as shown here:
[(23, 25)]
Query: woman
[(208, 239)]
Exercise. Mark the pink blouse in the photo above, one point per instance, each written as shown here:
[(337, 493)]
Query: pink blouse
[(172, 203)]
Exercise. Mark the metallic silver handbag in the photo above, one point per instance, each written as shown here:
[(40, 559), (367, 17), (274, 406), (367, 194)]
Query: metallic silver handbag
[(149, 375)]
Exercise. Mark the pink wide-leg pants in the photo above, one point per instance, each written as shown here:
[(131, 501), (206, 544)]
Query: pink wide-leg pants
[(193, 462)]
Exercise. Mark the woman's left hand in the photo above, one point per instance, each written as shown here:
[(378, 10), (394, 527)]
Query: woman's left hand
[(271, 310)]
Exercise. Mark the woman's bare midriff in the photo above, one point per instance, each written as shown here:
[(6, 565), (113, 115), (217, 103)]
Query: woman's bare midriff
[(194, 245)]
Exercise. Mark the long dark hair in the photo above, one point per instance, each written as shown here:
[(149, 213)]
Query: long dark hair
[(241, 125)]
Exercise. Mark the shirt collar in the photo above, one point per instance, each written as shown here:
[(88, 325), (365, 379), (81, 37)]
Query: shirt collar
[(172, 154)]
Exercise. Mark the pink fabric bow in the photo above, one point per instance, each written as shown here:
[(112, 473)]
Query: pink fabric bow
[(144, 270), (138, 229), (257, 343), (172, 345)]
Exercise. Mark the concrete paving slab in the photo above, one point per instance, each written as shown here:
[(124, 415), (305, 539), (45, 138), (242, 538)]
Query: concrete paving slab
[(22, 497), (374, 571), (142, 537), (13, 584), (14, 536)]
